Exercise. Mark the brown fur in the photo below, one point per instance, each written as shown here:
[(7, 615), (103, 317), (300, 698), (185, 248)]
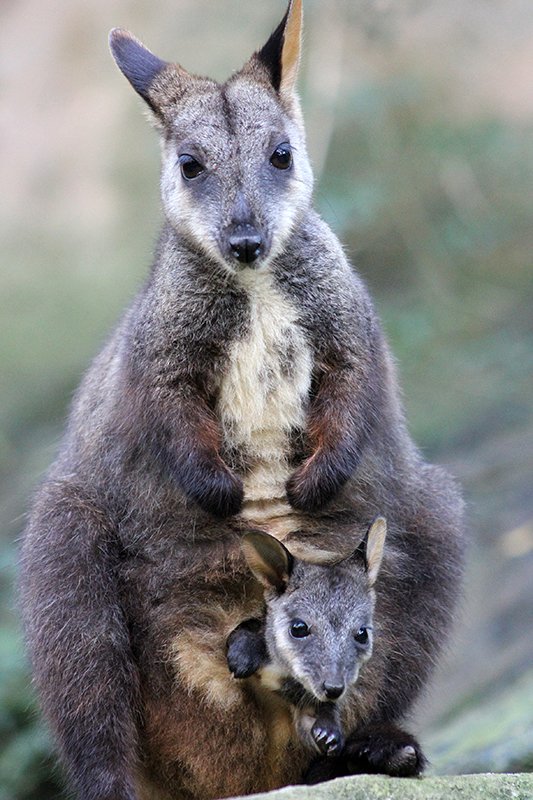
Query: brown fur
[(130, 568)]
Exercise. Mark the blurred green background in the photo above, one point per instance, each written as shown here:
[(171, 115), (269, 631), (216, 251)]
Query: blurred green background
[(420, 122)]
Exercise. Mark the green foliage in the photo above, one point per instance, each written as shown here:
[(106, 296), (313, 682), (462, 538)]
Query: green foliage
[(489, 734), (436, 215)]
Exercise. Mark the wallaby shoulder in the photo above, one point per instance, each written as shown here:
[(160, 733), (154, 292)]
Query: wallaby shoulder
[(330, 295)]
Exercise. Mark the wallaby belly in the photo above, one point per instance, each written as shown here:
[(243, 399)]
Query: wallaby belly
[(198, 720), (264, 395)]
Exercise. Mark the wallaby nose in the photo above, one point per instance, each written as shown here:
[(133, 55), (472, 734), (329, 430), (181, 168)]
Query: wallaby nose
[(246, 244), (333, 690)]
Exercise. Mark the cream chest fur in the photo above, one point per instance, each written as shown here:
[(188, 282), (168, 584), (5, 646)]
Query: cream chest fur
[(264, 394)]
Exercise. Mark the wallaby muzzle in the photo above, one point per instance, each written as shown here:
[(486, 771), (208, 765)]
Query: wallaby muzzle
[(245, 243)]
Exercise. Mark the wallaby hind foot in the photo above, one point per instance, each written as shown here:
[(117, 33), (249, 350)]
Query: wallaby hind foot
[(378, 749)]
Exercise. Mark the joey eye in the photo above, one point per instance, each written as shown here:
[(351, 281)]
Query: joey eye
[(299, 629), (281, 158), (361, 637), (190, 167)]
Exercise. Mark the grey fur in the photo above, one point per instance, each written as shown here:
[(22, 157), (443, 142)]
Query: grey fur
[(131, 573), (334, 603)]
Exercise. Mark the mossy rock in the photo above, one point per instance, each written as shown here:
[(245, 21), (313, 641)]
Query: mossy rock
[(490, 733), (377, 787)]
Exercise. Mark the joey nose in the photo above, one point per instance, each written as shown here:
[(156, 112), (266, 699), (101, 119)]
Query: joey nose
[(333, 690), (246, 244)]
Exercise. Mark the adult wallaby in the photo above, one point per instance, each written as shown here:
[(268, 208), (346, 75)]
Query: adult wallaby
[(316, 632), (248, 385)]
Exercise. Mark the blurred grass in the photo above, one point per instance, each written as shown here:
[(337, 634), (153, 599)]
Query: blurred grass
[(420, 121)]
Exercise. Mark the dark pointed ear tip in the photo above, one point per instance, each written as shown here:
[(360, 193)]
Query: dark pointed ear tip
[(121, 37), (295, 7), (118, 32), (116, 36)]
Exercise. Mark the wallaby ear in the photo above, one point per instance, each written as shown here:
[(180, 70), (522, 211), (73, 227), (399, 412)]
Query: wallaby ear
[(371, 548), (160, 83), (268, 559), (136, 62), (280, 56)]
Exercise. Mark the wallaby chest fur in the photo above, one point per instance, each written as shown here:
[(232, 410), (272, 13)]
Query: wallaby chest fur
[(248, 385), (264, 392)]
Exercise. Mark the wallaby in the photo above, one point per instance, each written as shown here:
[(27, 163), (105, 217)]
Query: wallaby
[(248, 386), (316, 632)]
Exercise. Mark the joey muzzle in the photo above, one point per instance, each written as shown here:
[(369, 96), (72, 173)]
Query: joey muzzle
[(333, 690)]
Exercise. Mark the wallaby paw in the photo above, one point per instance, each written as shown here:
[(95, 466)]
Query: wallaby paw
[(308, 489), (217, 491), (390, 751), (329, 740)]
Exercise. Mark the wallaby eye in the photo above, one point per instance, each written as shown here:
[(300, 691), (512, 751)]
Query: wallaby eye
[(281, 158), (190, 167), (299, 629), (361, 637)]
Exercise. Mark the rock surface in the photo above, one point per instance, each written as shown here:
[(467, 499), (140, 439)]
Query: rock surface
[(372, 787), (490, 733)]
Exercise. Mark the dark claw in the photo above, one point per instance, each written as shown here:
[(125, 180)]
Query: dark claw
[(334, 743), (329, 741), (319, 735)]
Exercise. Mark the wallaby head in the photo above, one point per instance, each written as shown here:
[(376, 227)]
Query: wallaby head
[(318, 626), (235, 171)]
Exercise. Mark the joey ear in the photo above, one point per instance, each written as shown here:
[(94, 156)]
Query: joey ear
[(280, 56), (375, 542), (268, 559), (136, 62), (371, 548)]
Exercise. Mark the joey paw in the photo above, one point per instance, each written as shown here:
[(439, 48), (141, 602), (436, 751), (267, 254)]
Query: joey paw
[(241, 665), (329, 740), (245, 650), (240, 669)]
